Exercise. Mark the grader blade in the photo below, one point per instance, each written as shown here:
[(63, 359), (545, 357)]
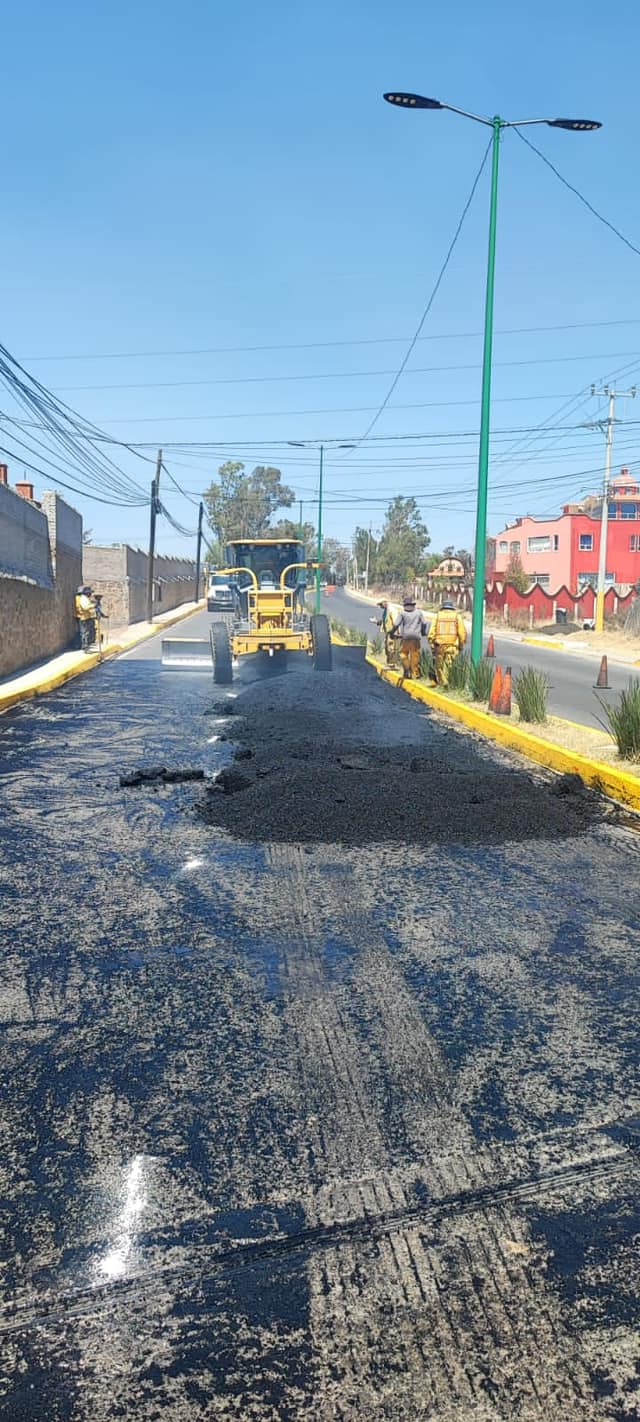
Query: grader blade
[(187, 652)]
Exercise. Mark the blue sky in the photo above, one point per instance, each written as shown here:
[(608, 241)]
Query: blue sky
[(201, 176)]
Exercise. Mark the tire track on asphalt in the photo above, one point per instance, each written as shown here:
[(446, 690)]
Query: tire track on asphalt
[(493, 1299)]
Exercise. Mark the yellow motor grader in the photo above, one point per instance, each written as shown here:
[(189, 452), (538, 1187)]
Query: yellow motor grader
[(268, 577)]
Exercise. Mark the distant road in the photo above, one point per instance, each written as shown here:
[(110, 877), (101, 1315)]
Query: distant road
[(571, 674)]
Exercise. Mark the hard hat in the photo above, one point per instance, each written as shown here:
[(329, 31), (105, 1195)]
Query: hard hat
[(448, 604), (383, 602), (409, 602)]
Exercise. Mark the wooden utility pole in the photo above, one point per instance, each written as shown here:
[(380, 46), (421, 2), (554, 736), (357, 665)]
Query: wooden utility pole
[(198, 552), (155, 489)]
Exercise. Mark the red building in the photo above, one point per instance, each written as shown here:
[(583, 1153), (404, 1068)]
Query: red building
[(564, 552)]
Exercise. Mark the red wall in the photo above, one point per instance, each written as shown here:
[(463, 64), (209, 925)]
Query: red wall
[(497, 594)]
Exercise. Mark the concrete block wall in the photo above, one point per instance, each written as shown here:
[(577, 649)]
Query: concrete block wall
[(119, 574), (40, 569)]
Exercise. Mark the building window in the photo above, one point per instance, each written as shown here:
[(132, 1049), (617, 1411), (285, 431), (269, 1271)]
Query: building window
[(503, 545), (584, 579), (540, 544), (629, 510), (634, 543), (586, 542), (613, 510), (542, 578), (556, 542), (514, 548)]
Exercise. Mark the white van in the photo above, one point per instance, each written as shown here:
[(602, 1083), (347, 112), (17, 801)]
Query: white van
[(221, 595)]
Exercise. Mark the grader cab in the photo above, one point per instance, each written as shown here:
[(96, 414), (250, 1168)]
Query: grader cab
[(269, 576)]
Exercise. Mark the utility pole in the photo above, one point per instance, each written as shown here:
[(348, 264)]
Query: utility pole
[(198, 552), (155, 489), (607, 424), (319, 528), (366, 573), (300, 528)]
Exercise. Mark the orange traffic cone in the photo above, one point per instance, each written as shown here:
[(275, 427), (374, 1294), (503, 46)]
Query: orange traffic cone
[(491, 648), (496, 688), (503, 707), (602, 683)]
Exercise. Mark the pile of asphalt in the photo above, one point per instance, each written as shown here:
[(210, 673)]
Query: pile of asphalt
[(344, 757)]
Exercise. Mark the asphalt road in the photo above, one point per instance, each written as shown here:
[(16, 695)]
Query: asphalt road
[(571, 675), (322, 1098)]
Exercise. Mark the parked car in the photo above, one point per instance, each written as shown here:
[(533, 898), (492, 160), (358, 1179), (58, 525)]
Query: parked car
[(221, 594)]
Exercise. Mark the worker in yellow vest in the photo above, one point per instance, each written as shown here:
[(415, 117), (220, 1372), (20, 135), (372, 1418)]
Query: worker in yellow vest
[(447, 636), (85, 610)]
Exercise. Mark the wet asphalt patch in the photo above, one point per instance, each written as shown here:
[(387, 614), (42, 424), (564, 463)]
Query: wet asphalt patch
[(301, 1130)]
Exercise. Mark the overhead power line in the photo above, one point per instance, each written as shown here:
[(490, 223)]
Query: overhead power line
[(344, 374), (576, 191), (434, 292), (293, 414), (328, 345)]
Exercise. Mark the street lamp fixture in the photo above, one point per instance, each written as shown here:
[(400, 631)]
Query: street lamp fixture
[(419, 101), (312, 444)]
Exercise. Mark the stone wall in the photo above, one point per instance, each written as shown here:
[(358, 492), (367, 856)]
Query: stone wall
[(40, 569), (119, 574)]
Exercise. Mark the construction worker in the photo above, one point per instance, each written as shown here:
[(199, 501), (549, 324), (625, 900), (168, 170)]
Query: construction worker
[(300, 595), (100, 614), (447, 637), (410, 626), (86, 617), (385, 623)]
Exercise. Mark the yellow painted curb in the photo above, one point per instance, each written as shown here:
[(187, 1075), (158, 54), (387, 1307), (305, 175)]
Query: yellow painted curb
[(92, 659), (616, 783), (546, 642)]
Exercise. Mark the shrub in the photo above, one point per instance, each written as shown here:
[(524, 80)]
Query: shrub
[(624, 721), (459, 673), (377, 646), (426, 664), (530, 690), (480, 679)]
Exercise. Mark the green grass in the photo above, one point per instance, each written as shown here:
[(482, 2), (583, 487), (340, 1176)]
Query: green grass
[(530, 691), (459, 673), (624, 721), (348, 634), (480, 679)]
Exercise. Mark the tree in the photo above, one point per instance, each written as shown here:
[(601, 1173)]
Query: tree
[(404, 541), (288, 528), (515, 574), (242, 505), (335, 558), (466, 558)]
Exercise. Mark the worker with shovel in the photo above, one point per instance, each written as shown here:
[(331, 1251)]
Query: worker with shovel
[(410, 627), (385, 623)]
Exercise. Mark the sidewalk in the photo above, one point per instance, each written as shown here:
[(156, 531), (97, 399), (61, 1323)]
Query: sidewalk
[(54, 672)]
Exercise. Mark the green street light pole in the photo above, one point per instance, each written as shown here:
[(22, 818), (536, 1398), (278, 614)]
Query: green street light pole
[(319, 558), (477, 617), (311, 444), (419, 101)]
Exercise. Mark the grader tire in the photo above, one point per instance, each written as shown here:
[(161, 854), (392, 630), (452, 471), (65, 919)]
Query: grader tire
[(321, 642), (221, 654)]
